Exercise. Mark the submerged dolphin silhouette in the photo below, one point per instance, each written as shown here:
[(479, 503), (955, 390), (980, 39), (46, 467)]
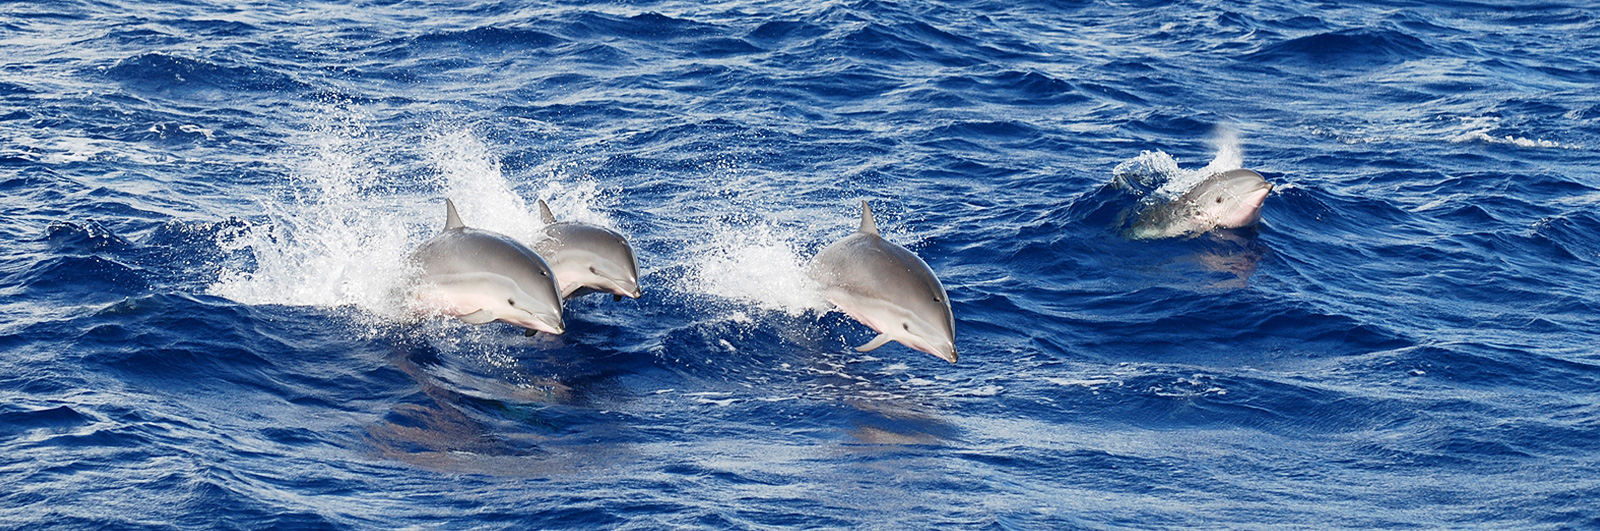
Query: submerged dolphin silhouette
[(1227, 200), (588, 258), (887, 288), (480, 276)]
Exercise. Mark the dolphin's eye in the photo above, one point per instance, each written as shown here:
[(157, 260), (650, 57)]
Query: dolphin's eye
[(1219, 199), (906, 326), (591, 270), (511, 302)]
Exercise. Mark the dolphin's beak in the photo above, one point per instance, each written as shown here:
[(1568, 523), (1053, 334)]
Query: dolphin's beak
[(624, 288), (945, 352), (556, 325), (552, 324)]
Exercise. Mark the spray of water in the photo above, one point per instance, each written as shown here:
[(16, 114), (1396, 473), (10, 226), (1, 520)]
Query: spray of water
[(1158, 174), (334, 237), (473, 178), (339, 233), (759, 265)]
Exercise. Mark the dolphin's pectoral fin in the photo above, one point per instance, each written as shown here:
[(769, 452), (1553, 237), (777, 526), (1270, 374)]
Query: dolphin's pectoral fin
[(478, 317), (881, 340)]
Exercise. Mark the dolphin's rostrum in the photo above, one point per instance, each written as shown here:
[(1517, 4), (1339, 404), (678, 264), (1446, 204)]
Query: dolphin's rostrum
[(887, 288), (588, 258), (480, 276)]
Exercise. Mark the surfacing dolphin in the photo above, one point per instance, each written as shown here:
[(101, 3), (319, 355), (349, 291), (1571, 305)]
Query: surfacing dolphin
[(887, 288), (480, 276), (1227, 200), (588, 258)]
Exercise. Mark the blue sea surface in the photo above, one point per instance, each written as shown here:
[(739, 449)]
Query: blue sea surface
[(206, 206)]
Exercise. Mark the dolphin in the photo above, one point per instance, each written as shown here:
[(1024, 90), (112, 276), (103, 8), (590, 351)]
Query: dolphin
[(480, 276), (588, 258), (887, 288), (1227, 200)]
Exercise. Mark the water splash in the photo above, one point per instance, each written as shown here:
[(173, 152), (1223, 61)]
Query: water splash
[(575, 197), (1230, 156), (761, 265), (339, 235), (1157, 175), (338, 238), (473, 178)]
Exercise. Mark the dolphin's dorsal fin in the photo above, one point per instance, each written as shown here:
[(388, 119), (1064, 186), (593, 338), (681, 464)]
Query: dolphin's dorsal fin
[(545, 214), (868, 225), (452, 220)]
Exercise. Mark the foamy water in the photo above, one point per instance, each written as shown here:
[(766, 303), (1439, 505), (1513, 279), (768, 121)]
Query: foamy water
[(339, 232), (332, 236), (759, 265), (1159, 174)]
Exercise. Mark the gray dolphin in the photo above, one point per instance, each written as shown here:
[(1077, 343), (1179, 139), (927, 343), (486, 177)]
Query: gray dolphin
[(588, 258), (1227, 200), (887, 288), (480, 276)]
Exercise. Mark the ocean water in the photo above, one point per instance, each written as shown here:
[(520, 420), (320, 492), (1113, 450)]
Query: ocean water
[(207, 205)]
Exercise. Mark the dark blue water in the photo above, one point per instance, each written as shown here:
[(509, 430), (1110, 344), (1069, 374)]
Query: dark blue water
[(206, 206)]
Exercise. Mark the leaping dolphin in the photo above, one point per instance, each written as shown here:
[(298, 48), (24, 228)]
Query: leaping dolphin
[(887, 288), (480, 276), (588, 258), (1227, 200)]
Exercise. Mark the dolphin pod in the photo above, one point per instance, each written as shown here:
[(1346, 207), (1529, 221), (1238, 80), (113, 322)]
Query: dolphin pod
[(887, 288), (587, 258), (1227, 200), (480, 276)]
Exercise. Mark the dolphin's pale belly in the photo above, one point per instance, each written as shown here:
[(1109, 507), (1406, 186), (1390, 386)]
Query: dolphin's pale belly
[(868, 310), (457, 295)]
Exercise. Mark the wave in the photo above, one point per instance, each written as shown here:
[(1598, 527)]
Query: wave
[(1347, 49), (1577, 233), (487, 37), (161, 72)]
